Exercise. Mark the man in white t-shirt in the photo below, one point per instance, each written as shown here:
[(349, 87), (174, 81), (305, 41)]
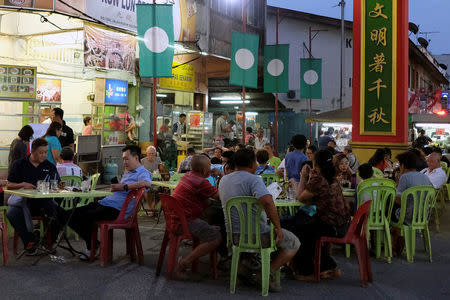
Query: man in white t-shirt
[(260, 140), (434, 171)]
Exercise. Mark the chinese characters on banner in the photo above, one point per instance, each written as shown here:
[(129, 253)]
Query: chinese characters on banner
[(378, 79)]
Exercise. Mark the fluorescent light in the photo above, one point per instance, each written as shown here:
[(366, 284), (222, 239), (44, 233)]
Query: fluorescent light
[(251, 113), (204, 53), (233, 102), (236, 107), (161, 95), (229, 98)]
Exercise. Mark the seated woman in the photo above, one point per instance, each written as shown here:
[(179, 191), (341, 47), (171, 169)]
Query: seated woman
[(343, 170), (379, 160), (262, 157), (319, 186)]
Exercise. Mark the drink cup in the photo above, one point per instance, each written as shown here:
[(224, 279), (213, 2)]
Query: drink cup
[(54, 185), (39, 185), (85, 185), (45, 187)]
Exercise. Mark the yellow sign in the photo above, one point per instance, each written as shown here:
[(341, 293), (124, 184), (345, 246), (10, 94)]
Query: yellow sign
[(183, 78), (17, 82)]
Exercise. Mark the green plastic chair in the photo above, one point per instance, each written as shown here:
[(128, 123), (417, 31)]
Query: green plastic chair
[(270, 178), (438, 204), (244, 207), (444, 166), (383, 198), (67, 203), (424, 200), (373, 182), (86, 200), (377, 173)]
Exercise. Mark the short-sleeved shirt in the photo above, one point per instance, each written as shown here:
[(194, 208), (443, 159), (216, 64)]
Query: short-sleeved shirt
[(87, 130), (274, 162), (294, 162), (23, 170), (259, 144), (437, 177), (185, 164), (323, 140), (193, 192), (117, 199), (151, 166), (328, 199), (66, 138), (68, 168), (53, 143), (242, 183), (264, 170), (406, 181), (17, 150)]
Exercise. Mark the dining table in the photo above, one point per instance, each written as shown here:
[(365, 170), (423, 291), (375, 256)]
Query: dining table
[(36, 194)]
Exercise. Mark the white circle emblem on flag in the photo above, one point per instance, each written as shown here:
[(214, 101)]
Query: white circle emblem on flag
[(156, 39), (310, 77), (275, 67), (244, 58)]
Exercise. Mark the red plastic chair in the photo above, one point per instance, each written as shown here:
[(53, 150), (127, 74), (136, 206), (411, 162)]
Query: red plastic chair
[(130, 224), (176, 231), (4, 242), (356, 235)]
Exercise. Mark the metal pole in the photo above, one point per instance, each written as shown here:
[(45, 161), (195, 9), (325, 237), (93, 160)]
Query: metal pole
[(244, 28), (276, 96), (310, 100), (155, 135), (341, 90)]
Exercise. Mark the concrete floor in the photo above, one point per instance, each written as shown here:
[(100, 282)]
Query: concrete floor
[(79, 280)]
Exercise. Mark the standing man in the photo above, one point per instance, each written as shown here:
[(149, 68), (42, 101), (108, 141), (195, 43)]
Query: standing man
[(260, 140), (221, 126), (24, 174), (296, 158), (179, 127), (66, 138), (326, 138)]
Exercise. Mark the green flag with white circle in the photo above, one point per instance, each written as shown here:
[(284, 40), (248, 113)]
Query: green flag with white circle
[(276, 68), (155, 36), (244, 59), (311, 78)]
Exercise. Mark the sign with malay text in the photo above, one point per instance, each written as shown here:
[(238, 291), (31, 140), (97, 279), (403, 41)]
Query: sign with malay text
[(183, 78), (378, 67), (116, 91)]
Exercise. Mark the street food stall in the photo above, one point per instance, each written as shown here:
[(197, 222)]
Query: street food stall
[(339, 120)]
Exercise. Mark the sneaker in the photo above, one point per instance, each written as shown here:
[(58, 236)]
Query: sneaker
[(85, 255), (331, 274), (31, 249)]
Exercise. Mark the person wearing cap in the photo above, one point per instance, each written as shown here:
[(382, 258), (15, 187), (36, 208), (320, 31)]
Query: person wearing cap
[(352, 160)]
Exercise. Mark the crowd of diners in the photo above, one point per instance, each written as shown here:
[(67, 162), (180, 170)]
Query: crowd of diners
[(212, 178)]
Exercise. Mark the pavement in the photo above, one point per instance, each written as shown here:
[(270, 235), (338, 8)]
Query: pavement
[(74, 279)]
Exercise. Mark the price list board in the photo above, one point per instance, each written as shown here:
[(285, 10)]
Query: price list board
[(17, 82)]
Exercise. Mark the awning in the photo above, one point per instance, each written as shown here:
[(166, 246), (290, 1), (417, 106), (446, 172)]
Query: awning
[(344, 115)]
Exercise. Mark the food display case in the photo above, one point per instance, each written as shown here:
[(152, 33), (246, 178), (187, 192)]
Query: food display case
[(199, 131), (109, 122)]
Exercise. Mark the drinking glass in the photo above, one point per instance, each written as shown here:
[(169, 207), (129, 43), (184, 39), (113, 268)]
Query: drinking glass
[(54, 185), (85, 186), (39, 185), (45, 187)]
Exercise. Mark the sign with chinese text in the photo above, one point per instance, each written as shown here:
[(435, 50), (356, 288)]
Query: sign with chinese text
[(17, 82), (48, 90), (378, 67), (183, 78), (116, 91)]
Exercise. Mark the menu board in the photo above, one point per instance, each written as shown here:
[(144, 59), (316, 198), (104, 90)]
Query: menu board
[(17, 82), (49, 90)]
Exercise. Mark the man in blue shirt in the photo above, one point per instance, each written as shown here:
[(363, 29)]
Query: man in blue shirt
[(296, 158), (108, 209)]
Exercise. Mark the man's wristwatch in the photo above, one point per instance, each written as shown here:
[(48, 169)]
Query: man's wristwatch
[(125, 187)]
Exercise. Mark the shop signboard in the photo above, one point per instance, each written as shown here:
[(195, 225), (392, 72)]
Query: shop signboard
[(49, 90), (108, 49), (183, 78), (378, 67), (116, 91), (17, 82), (40, 4), (440, 131)]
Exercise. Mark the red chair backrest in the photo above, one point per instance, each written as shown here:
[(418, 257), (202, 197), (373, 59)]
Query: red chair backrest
[(358, 225), (176, 222), (138, 194)]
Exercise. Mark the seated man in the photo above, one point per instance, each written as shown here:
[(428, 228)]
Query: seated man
[(152, 161), (243, 182), (262, 156), (24, 174), (68, 168), (273, 160), (434, 171), (108, 208), (185, 164), (193, 192)]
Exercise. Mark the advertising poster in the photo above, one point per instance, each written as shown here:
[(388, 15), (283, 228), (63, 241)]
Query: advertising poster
[(183, 78), (48, 90), (116, 91), (194, 119), (108, 49), (17, 82), (41, 4)]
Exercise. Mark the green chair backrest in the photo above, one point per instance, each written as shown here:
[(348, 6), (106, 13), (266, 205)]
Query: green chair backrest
[(71, 180), (249, 210), (176, 176), (374, 181), (423, 198), (94, 180), (270, 178), (444, 166), (448, 173), (383, 198), (377, 173)]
